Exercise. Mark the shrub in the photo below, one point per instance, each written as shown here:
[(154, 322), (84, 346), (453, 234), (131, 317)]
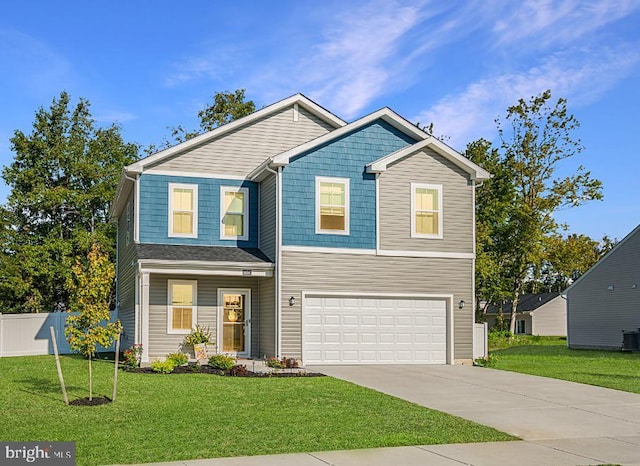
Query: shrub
[(289, 363), (222, 362), (200, 334), (274, 362), (238, 370), (178, 359), (164, 367), (489, 361), (131, 357)]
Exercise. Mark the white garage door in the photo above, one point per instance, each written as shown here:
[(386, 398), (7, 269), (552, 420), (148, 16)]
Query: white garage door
[(365, 330)]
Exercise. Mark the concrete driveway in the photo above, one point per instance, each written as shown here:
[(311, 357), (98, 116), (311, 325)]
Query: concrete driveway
[(588, 421)]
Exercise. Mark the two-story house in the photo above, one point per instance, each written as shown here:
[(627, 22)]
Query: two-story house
[(290, 232)]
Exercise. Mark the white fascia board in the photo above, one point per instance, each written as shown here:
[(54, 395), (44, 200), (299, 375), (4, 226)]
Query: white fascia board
[(299, 99), (122, 191), (477, 173), (385, 114), (159, 263), (235, 269)]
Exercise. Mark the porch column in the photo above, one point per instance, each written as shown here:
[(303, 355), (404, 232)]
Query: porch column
[(144, 315)]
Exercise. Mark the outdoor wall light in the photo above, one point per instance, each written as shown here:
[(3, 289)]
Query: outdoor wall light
[(610, 287), (461, 304), (292, 301)]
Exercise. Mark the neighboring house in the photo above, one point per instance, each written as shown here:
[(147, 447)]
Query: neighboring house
[(542, 314), (605, 301), (292, 233)]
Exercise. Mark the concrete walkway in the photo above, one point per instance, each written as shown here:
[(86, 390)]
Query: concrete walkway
[(561, 423)]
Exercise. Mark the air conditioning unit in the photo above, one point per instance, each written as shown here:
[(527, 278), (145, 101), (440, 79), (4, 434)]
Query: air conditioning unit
[(631, 340)]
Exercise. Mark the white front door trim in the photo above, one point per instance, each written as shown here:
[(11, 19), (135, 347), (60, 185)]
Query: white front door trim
[(247, 311)]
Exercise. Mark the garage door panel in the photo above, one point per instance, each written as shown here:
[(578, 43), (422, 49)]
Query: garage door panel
[(386, 321), (348, 330)]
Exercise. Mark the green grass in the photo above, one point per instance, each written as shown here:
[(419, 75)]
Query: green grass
[(188, 416), (550, 357)]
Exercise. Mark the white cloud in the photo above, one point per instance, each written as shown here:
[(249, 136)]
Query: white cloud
[(536, 23), (582, 76), (358, 56)]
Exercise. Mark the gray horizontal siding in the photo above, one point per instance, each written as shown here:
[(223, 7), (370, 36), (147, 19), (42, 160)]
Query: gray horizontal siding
[(320, 272), (596, 316), (242, 150), (126, 280), (267, 343), (395, 204), (161, 343), (267, 237), (551, 319)]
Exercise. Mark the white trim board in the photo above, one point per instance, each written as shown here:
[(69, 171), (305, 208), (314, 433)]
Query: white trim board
[(381, 252), (247, 312)]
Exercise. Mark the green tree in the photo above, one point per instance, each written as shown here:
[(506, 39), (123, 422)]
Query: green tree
[(567, 258), (537, 137), (225, 107), (494, 200), (90, 288), (62, 181)]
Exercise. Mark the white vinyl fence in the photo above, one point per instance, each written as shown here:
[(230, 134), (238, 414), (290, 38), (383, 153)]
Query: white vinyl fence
[(480, 343), (29, 335)]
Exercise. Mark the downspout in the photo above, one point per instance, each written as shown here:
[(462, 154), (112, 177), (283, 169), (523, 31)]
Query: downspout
[(278, 303)]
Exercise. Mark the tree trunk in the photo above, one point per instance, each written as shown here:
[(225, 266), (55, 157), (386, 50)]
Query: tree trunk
[(90, 381), (514, 308)]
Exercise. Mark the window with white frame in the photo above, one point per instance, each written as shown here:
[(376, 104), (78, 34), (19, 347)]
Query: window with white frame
[(183, 210), (521, 326), (234, 213), (426, 210), (182, 311), (332, 205)]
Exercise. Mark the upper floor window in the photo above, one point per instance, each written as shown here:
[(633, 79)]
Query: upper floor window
[(426, 210), (183, 210), (332, 205), (182, 314), (234, 217)]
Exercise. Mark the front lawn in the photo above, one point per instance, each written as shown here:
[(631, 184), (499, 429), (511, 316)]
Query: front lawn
[(550, 357), (188, 416)]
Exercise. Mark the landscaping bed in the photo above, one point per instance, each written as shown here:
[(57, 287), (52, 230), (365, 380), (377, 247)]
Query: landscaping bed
[(236, 371)]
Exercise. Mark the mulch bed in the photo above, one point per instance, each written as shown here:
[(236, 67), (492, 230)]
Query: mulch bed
[(237, 371), (95, 401)]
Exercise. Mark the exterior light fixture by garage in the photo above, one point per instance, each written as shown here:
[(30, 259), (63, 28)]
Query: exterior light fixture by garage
[(461, 304), (292, 301)]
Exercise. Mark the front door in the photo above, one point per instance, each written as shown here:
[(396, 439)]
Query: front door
[(234, 328)]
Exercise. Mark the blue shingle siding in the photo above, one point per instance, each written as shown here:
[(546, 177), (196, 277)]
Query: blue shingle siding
[(345, 157), (154, 210)]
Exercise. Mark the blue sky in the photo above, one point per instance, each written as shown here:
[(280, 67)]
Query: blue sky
[(460, 64)]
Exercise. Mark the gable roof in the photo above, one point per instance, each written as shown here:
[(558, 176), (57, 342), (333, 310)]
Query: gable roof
[(526, 303), (380, 165), (606, 257), (476, 172), (299, 99), (124, 185)]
